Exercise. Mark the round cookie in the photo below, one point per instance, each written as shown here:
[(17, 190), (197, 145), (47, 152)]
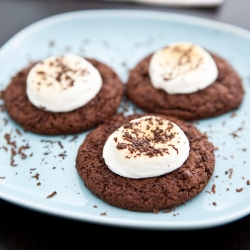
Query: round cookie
[(223, 95), (147, 194), (39, 121)]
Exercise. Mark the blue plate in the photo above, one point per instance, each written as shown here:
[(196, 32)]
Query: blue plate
[(121, 39)]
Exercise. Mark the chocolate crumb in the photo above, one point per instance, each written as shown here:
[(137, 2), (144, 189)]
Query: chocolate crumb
[(2, 177), (214, 203), (214, 188), (6, 149), (248, 182), (233, 114), (227, 189), (32, 169), (38, 183), (239, 190), (103, 213), (95, 206), (52, 195)]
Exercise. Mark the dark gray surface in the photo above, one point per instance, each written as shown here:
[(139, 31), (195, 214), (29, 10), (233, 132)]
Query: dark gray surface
[(24, 229), (17, 14)]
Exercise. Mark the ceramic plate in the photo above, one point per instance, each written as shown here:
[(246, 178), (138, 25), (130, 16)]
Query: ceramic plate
[(187, 3), (121, 39)]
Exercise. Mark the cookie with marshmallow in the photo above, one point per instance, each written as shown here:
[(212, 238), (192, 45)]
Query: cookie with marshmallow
[(64, 94), (145, 162), (185, 80)]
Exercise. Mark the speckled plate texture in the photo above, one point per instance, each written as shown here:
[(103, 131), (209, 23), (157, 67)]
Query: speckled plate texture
[(38, 172)]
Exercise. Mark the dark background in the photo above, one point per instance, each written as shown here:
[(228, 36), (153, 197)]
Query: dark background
[(25, 229)]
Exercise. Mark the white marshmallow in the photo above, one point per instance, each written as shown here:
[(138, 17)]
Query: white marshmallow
[(182, 68), (63, 83), (146, 147)]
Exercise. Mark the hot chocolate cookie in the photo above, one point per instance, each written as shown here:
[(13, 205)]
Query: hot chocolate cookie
[(63, 95), (185, 81), (145, 162)]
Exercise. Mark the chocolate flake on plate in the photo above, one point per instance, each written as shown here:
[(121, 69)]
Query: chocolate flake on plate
[(239, 190), (52, 195)]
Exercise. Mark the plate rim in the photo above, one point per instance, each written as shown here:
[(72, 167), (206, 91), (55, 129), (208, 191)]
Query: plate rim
[(122, 13)]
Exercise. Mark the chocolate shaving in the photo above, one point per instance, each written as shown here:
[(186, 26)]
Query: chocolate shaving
[(18, 132), (214, 188), (230, 172), (137, 143), (52, 195), (12, 161), (51, 142), (60, 144), (8, 140), (35, 176), (63, 154), (74, 138), (20, 151), (239, 189)]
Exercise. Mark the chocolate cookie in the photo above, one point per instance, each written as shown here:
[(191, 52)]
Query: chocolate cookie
[(147, 194), (223, 95), (39, 121)]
